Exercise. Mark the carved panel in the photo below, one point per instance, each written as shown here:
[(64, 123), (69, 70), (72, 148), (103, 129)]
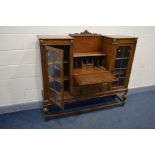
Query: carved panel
[(85, 33)]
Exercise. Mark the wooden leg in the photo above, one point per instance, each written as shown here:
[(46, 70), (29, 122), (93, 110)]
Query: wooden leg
[(124, 97), (45, 109)]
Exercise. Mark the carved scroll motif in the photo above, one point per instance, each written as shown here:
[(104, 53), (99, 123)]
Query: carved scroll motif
[(85, 33)]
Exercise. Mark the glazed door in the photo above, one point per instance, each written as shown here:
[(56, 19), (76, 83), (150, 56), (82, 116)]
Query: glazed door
[(55, 75), (123, 62)]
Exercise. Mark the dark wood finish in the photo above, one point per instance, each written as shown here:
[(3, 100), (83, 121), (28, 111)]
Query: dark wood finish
[(92, 66)]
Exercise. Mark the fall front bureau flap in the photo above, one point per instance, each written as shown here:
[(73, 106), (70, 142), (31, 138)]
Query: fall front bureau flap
[(92, 75)]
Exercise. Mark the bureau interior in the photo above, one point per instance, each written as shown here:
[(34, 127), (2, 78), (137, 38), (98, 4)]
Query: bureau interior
[(88, 51), (87, 44), (94, 61)]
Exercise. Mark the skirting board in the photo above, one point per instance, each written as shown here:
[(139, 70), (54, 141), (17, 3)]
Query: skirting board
[(38, 104)]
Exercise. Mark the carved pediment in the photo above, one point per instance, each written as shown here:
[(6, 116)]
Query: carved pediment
[(85, 33)]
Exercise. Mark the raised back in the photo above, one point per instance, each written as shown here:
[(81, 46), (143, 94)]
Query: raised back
[(86, 42)]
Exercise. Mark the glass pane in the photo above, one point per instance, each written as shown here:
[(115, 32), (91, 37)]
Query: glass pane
[(116, 71), (50, 57), (57, 57), (119, 53), (55, 72), (54, 67), (123, 51), (118, 64), (126, 51), (121, 63), (115, 83), (55, 85), (125, 63), (50, 70), (54, 96), (57, 66), (122, 73), (121, 81)]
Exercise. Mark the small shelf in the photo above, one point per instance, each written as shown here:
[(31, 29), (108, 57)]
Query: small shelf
[(66, 62), (58, 62), (119, 71), (121, 68), (54, 79), (58, 79), (88, 54), (124, 58), (67, 95), (56, 65), (121, 77), (58, 93), (66, 77)]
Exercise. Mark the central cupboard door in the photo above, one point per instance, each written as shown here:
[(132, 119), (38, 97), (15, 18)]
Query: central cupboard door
[(55, 58)]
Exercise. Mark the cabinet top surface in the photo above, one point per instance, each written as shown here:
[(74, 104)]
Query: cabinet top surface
[(69, 37), (54, 37), (120, 37)]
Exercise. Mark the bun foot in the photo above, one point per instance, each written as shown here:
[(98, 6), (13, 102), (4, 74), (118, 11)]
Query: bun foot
[(125, 97), (45, 109)]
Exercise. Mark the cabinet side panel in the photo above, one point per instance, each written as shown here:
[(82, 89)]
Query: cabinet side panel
[(133, 47), (108, 48), (44, 72), (71, 69)]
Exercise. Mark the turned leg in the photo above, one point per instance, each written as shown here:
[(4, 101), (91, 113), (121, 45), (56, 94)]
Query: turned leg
[(45, 109), (124, 97)]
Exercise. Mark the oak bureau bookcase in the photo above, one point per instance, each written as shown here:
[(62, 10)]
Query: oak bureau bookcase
[(81, 69)]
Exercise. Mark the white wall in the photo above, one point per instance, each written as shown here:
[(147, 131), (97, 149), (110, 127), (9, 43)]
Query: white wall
[(20, 69)]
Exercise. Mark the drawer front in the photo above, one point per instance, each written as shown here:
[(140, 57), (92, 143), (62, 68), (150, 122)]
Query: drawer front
[(91, 90)]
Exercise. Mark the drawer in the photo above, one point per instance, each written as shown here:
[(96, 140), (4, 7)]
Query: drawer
[(90, 90)]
